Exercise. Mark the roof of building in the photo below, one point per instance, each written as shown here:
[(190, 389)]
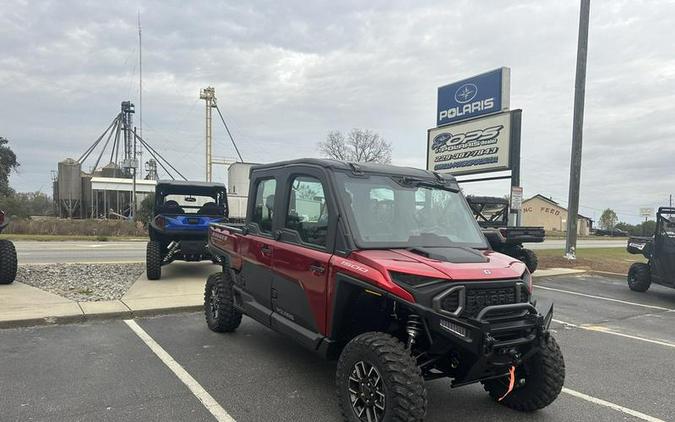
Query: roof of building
[(552, 202)]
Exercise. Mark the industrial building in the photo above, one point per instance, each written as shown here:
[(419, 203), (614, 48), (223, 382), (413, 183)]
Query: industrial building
[(544, 212), (114, 189), (116, 183)]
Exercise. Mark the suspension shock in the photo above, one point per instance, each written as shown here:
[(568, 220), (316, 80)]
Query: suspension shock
[(413, 328)]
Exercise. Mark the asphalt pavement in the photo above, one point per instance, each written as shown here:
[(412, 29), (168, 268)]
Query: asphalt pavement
[(49, 252), (618, 347)]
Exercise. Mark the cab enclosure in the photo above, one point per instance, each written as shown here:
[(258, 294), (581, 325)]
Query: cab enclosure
[(659, 249)]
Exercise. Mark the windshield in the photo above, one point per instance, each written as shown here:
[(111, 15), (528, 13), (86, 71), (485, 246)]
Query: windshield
[(387, 213)]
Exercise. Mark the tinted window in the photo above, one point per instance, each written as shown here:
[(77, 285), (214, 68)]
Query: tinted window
[(307, 210), (263, 207)]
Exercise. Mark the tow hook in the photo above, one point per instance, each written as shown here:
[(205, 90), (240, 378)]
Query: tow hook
[(516, 357), (489, 342)]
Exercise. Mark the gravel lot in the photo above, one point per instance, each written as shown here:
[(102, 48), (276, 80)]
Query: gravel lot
[(82, 282)]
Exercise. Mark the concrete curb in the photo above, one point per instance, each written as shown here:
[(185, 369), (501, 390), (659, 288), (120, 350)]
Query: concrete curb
[(97, 316), (608, 273), (554, 272)]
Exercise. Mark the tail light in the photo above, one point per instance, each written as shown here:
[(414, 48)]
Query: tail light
[(160, 221)]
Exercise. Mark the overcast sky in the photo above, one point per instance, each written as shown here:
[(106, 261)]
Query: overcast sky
[(288, 72)]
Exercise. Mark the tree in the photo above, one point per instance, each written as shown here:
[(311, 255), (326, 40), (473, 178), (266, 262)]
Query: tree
[(8, 164), (144, 211), (608, 219), (364, 146), (26, 204)]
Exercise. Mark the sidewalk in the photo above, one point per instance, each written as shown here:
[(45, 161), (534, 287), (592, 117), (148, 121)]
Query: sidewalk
[(181, 288)]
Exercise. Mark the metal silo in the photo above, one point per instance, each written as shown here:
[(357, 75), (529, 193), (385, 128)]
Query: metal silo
[(237, 178), (69, 185)]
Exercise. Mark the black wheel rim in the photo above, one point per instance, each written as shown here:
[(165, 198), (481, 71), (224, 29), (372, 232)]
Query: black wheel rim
[(366, 392), (213, 302)]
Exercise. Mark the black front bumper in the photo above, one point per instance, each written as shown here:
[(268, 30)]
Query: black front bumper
[(499, 337)]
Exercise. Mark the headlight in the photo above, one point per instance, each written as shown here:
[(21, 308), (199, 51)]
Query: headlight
[(453, 328), (412, 280)]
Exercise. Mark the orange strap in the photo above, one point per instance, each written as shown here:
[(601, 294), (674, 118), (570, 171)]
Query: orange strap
[(512, 382)]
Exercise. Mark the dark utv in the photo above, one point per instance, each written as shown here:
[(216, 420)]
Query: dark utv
[(492, 214), (659, 250), (8, 262), (385, 269), (180, 220)]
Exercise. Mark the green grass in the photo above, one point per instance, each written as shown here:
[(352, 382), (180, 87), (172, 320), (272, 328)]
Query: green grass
[(593, 253), (57, 237), (615, 260)]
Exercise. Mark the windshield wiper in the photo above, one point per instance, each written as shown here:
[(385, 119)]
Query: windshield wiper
[(413, 181)]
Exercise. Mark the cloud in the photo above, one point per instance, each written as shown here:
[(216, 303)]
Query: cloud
[(286, 73)]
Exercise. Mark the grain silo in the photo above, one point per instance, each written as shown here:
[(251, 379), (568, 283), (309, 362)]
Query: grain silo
[(69, 187)]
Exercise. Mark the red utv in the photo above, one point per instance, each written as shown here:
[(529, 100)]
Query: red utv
[(385, 269)]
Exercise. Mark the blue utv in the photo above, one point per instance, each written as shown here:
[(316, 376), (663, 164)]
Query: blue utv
[(180, 221)]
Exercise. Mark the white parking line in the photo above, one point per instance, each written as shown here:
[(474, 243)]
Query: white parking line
[(202, 395), (611, 405), (609, 299), (605, 330)]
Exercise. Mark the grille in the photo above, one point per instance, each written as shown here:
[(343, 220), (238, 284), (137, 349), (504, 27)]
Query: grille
[(479, 298)]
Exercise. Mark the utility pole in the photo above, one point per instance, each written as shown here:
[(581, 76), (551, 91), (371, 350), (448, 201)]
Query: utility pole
[(208, 94), (577, 131)]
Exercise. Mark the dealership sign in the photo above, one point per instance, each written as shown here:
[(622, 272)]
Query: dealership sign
[(476, 146), (480, 95)]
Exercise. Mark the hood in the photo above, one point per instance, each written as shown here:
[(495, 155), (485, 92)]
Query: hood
[(464, 264)]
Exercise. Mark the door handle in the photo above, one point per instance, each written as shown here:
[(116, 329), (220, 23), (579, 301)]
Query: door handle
[(266, 250), (317, 268)]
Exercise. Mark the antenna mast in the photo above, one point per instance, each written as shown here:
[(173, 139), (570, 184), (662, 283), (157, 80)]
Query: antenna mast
[(140, 77)]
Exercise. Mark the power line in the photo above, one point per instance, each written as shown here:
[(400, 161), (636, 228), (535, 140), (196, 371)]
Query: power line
[(229, 134)]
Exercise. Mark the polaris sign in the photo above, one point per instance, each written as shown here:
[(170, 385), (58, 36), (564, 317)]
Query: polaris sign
[(487, 93)]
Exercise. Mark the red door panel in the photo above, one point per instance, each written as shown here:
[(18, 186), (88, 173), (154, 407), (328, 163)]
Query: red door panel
[(300, 282), (257, 253)]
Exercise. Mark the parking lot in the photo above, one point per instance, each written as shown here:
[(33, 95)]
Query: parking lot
[(618, 347)]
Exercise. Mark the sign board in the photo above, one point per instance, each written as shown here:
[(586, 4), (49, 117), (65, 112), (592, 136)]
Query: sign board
[(516, 198), (480, 95), (477, 146), (646, 212)]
